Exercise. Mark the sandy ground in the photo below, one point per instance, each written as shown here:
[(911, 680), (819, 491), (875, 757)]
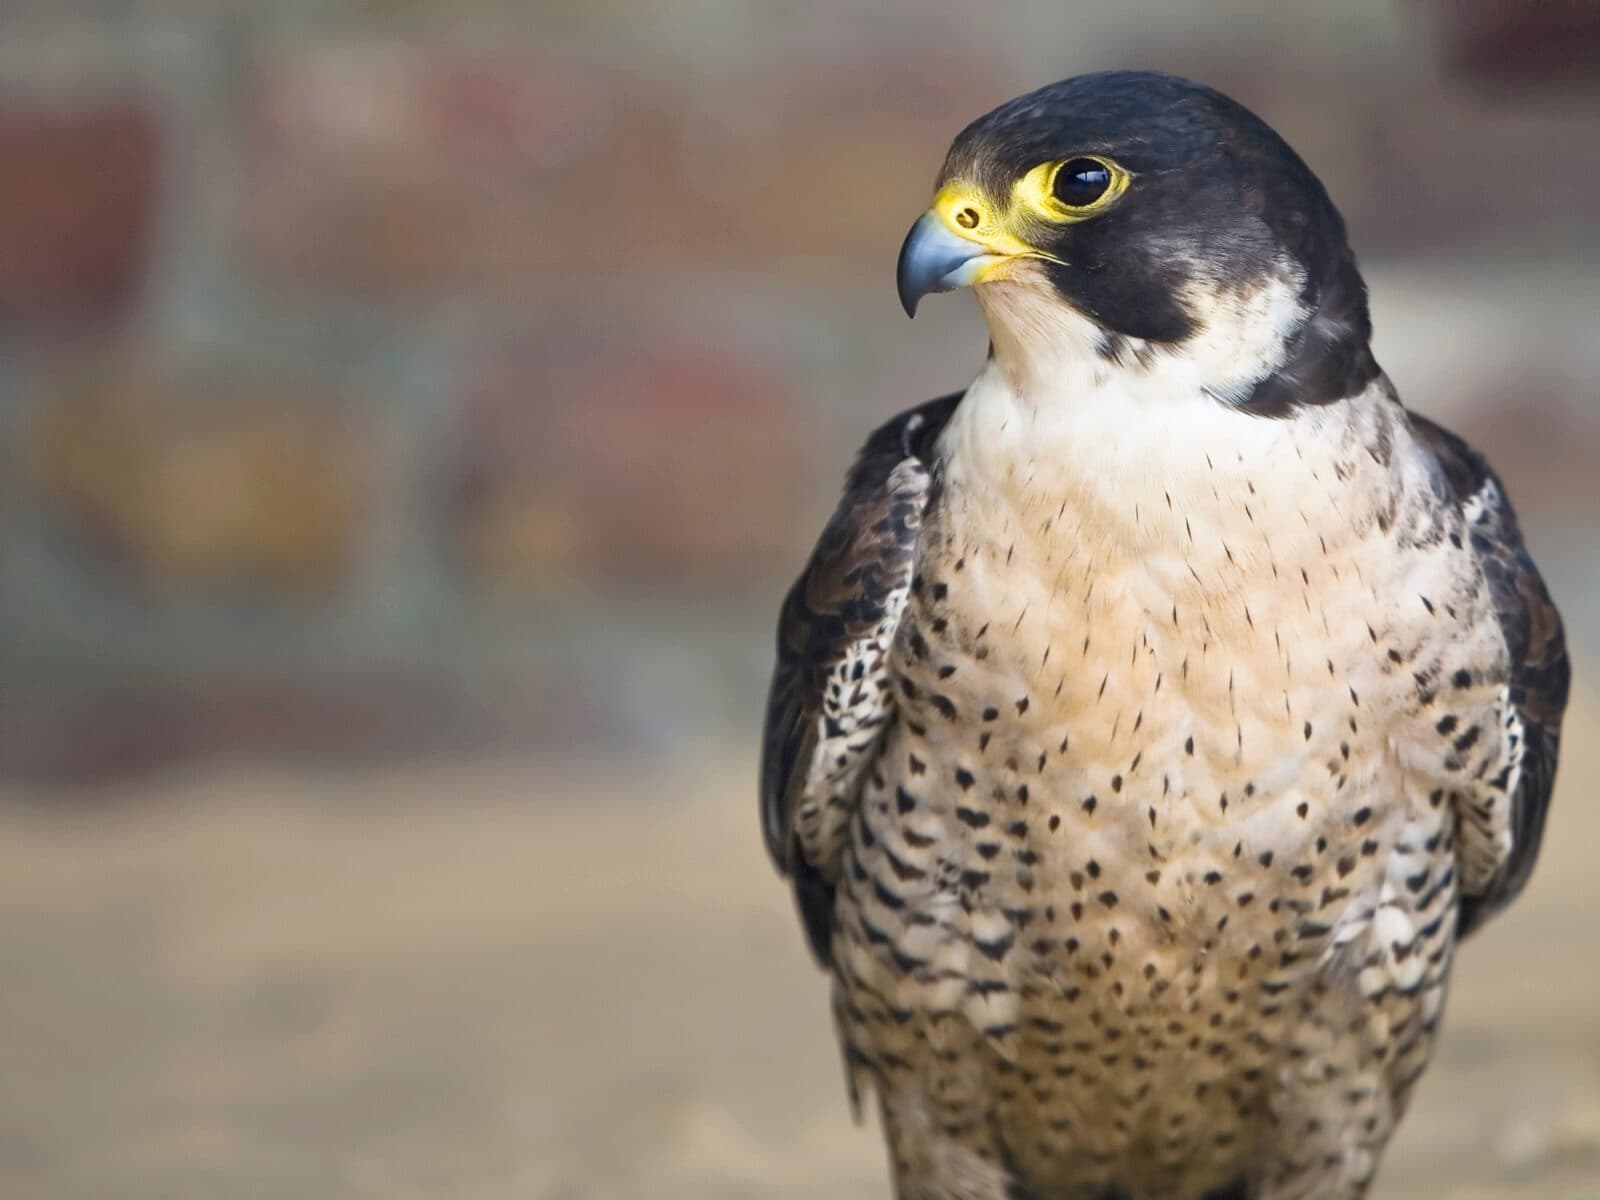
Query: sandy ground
[(541, 982)]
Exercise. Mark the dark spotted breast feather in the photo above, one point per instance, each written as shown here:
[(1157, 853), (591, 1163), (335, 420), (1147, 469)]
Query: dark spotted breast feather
[(829, 700), (1536, 648)]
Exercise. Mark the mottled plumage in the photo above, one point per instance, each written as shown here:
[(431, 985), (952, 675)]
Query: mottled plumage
[(831, 691), (1154, 717)]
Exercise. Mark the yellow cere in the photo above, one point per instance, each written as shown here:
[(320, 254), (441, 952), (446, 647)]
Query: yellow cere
[(969, 212)]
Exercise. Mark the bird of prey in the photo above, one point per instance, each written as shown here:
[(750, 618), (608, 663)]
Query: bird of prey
[(1155, 716)]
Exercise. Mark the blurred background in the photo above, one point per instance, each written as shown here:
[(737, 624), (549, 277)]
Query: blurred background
[(411, 414)]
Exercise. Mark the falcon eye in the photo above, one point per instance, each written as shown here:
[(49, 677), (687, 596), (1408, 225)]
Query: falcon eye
[(1079, 182), (1073, 189)]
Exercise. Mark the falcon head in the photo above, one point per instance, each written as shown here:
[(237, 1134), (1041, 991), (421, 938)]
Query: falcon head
[(1135, 215)]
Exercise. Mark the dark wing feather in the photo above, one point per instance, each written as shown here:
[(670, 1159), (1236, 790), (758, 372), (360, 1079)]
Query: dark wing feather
[(1536, 650), (830, 699)]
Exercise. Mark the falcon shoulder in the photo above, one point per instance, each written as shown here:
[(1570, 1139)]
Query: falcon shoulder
[(830, 698), (1537, 677)]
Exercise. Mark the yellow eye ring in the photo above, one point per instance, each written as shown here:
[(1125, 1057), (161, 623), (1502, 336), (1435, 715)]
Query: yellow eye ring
[(1048, 187)]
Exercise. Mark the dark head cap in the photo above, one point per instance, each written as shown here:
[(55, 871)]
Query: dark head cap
[(1145, 200)]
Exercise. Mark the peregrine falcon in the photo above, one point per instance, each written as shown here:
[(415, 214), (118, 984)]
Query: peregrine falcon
[(1155, 716)]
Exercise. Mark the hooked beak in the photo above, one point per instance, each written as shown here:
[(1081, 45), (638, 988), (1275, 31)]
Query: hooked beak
[(935, 258)]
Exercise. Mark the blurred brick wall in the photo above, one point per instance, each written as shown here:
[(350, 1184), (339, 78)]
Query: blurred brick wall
[(1511, 46), (377, 375)]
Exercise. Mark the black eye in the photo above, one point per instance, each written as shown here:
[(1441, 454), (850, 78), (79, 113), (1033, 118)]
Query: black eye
[(1081, 181)]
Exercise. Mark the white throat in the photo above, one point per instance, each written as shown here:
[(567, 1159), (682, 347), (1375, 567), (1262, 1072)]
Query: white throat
[(1140, 453), (1241, 338)]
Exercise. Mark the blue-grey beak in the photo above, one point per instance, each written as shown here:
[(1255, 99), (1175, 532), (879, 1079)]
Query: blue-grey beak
[(934, 259)]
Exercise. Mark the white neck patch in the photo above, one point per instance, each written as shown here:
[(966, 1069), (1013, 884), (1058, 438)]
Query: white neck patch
[(1129, 446), (1043, 344)]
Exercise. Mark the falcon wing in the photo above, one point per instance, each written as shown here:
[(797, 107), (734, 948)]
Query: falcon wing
[(1538, 674), (830, 698)]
